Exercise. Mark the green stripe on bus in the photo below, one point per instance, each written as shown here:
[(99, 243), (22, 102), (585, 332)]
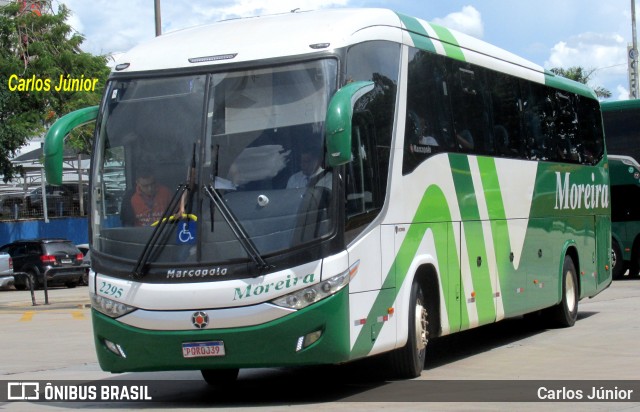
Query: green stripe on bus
[(491, 186), (499, 227), (433, 208), (562, 83), (449, 42), (417, 32), (474, 235)]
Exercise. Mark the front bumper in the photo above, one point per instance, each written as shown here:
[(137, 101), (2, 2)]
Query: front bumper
[(270, 344), (65, 274), (6, 281)]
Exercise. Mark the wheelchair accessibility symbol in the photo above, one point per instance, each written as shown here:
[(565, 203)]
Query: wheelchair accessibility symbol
[(186, 233)]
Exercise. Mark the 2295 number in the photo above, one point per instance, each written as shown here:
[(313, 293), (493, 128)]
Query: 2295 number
[(108, 289)]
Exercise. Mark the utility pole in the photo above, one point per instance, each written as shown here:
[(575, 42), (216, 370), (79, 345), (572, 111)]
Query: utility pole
[(158, 17), (632, 51)]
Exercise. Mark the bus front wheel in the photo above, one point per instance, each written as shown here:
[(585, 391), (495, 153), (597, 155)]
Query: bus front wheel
[(408, 362)]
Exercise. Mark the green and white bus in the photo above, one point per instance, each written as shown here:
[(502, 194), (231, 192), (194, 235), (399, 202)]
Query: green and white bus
[(458, 185), (622, 129)]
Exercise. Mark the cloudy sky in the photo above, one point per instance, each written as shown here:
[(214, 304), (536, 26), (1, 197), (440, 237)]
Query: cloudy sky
[(553, 33)]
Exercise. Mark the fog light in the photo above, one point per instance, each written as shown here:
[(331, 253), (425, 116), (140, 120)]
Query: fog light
[(307, 340), (115, 348)]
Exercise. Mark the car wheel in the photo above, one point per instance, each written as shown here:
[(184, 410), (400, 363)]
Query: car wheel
[(84, 280), (32, 279)]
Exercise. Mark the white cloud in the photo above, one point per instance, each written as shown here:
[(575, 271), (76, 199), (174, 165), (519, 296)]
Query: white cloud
[(622, 93), (595, 50), (606, 53), (468, 21)]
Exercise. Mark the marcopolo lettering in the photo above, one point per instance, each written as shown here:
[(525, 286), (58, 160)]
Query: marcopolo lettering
[(259, 289), (195, 273), (577, 196)]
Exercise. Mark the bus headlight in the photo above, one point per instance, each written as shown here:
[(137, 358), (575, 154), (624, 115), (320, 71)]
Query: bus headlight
[(109, 307), (305, 297)]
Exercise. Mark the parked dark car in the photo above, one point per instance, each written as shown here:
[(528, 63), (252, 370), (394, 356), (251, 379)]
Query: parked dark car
[(59, 200), (59, 259)]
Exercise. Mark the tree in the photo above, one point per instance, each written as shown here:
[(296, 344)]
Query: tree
[(39, 53), (581, 75)]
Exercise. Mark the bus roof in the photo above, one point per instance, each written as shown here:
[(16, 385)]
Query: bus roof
[(304, 33), (620, 105)]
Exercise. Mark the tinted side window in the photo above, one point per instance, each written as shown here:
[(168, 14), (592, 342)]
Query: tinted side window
[(591, 146), (428, 128), (366, 176), (33, 249), (562, 126), (507, 133), (471, 106), (622, 132), (622, 209)]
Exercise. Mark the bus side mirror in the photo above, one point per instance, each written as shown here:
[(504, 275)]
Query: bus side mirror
[(338, 122), (54, 141)]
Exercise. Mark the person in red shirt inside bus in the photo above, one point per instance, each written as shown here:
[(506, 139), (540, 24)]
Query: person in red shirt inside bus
[(149, 200)]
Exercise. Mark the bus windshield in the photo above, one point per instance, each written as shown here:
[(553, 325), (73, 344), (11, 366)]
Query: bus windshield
[(253, 136)]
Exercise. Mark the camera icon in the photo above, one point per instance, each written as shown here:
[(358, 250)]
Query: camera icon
[(23, 391)]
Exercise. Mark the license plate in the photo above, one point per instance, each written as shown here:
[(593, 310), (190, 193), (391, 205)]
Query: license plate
[(203, 349), (65, 260)]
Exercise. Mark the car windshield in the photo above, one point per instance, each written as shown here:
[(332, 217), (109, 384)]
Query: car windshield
[(255, 137)]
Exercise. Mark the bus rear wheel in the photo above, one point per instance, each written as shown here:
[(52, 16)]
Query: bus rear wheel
[(220, 377), (408, 362), (617, 263), (566, 312)]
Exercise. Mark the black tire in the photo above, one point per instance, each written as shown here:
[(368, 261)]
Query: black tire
[(84, 279), (71, 285), (220, 377), (32, 278), (618, 266), (408, 361), (566, 312)]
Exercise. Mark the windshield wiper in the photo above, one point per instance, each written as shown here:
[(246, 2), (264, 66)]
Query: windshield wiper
[(235, 226), (178, 201), (139, 268), (237, 229)]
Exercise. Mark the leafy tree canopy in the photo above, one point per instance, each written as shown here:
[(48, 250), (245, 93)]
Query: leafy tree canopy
[(37, 47), (581, 75)]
